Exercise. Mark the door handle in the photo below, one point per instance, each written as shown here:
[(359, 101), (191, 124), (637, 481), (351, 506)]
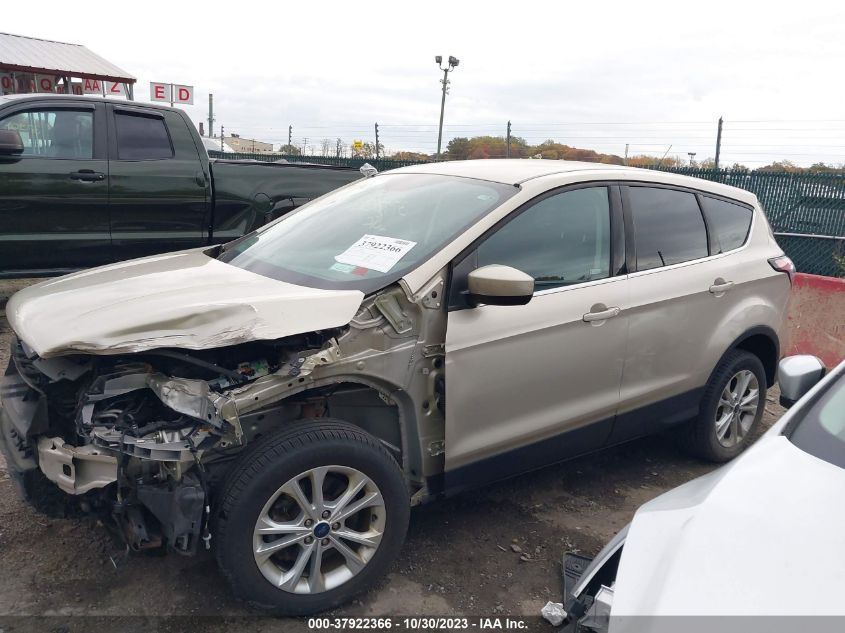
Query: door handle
[(87, 175), (601, 315), (200, 178), (720, 286)]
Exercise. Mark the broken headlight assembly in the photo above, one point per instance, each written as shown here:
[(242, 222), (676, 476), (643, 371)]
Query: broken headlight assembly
[(589, 584)]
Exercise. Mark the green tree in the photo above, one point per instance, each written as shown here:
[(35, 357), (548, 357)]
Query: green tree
[(290, 150)]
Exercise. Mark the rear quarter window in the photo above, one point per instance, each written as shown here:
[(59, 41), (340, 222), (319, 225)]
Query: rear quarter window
[(728, 222)]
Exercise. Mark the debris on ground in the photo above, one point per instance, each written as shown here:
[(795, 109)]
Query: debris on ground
[(553, 612)]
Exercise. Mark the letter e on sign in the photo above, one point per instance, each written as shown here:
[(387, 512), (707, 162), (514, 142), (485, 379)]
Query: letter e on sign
[(159, 91), (183, 94)]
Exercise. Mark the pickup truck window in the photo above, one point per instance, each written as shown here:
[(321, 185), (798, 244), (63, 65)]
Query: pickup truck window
[(141, 137), (367, 234), (54, 133)]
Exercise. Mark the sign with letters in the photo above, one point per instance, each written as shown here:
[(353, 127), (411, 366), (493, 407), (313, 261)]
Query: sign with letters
[(92, 87), (115, 89), (45, 83), (7, 84), (172, 93)]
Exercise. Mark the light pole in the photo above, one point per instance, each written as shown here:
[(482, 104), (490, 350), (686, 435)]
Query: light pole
[(691, 157), (453, 63)]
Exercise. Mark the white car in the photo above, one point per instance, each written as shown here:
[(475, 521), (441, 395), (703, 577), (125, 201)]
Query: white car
[(761, 536)]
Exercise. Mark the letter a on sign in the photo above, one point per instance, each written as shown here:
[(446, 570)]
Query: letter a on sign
[(92, 87), (183, 94)]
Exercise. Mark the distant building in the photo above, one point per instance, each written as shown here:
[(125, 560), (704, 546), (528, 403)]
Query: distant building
[(248, 145)]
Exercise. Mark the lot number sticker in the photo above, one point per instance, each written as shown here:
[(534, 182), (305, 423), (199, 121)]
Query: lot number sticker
[(375, 252)]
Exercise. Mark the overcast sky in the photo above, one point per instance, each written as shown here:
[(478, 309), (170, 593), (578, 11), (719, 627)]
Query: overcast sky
[(592, 74)]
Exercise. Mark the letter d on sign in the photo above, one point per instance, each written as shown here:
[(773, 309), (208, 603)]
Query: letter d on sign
[(184, 94)]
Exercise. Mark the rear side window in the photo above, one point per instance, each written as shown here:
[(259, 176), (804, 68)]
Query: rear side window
[(668, 227), (728, 222), (141, 137)]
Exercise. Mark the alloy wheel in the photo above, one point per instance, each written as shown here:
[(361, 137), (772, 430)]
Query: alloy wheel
[(737, 408), (319, 529)]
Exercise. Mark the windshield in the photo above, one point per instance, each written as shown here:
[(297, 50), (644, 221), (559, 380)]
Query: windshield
[(822, 430), (368, 234)]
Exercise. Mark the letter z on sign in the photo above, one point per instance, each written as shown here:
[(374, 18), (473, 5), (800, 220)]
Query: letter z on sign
[(375, 252)]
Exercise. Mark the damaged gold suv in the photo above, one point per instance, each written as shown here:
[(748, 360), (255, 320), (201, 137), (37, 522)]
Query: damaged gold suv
[(286, 398)]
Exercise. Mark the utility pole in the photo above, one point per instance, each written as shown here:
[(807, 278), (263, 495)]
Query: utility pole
[(626, 154), (718, 142), (452, 64), (508, 150), (210, 115), (660, 162), (222, 135), (337, 154), (290, 136), (376, 141), (304, 145)]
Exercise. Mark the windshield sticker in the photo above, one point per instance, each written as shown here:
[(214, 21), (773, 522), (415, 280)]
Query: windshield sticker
[(375, 252), (342, 268)]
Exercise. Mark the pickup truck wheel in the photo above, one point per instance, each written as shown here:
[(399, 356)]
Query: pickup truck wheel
[(310, 517), (731, 408)]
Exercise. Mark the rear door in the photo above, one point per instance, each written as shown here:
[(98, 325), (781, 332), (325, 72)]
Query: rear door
[(682, 290), (54, 197), (159, 193)]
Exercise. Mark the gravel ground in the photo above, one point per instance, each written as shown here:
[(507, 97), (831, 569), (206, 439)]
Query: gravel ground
[(495, 551)]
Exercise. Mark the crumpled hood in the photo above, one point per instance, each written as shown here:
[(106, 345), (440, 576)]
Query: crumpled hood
[(186, 300), (760, 536)]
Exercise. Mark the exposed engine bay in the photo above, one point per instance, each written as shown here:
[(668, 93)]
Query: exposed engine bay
[(146, 439)]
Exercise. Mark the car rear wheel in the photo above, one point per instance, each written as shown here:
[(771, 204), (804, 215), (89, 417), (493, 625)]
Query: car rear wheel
[(311, 517), (731, 408)]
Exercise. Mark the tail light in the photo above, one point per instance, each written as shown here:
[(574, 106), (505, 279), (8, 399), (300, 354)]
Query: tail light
[(783, 264)]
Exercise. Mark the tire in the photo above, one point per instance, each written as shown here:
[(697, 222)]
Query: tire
[(343, 457), (701, 437)]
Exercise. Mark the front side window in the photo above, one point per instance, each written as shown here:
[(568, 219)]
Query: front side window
[(562, 240), (141, 137), (368, 234), (54, 133), (728, 222), (668, 227)]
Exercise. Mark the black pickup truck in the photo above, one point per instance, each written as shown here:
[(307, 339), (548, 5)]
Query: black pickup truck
[(86, 181)]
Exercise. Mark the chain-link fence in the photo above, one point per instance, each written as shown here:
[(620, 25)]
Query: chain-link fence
[(806, 210)]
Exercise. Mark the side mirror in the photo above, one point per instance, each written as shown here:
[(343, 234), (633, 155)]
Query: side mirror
[(797, 375), (10, 143), (500, 286)]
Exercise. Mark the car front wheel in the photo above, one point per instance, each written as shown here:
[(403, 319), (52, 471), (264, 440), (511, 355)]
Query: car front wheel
[(311, 517)]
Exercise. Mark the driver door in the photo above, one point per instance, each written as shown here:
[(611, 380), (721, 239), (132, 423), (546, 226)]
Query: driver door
[(535, 384)]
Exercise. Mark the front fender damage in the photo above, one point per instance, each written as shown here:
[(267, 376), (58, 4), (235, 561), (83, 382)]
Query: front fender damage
[(149, 437)]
